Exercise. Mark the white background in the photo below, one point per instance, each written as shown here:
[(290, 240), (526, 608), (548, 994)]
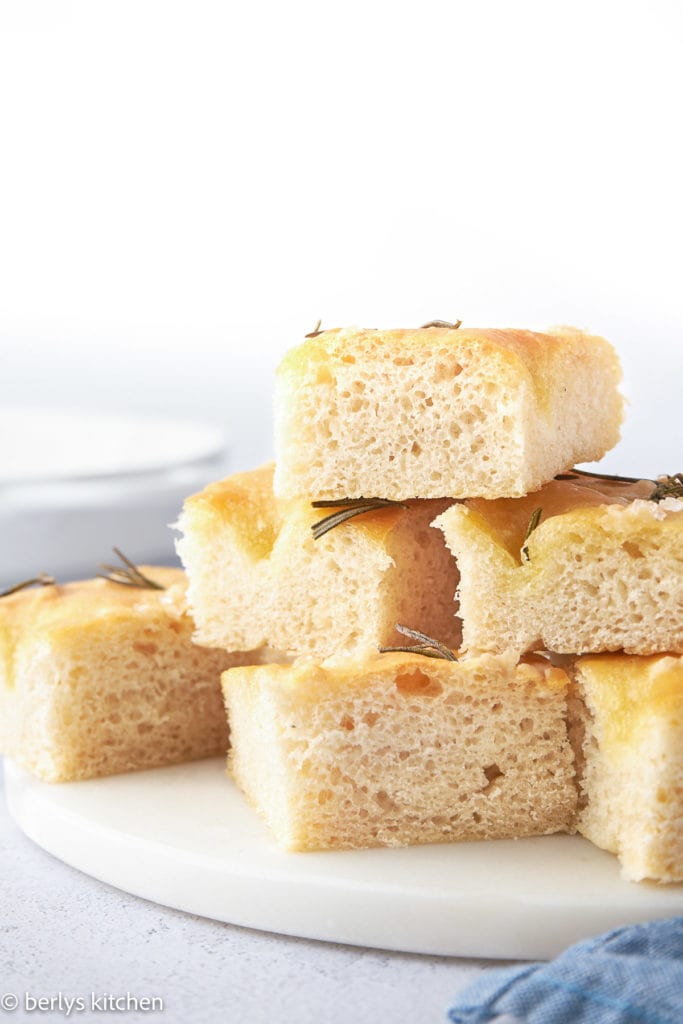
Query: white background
[(185, 188)]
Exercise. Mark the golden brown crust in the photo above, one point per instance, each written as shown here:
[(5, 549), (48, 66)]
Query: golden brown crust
[(632, 692), (532, 348), (245, 503), (308, 682), (507, 519), (61, 607)]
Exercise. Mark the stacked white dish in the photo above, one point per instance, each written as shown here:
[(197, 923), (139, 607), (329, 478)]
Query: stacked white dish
[(74, 484)]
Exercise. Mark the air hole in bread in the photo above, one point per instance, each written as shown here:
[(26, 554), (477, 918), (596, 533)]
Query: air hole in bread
[(418, 682), (145, 648), (370, 718), (492, 772), (632, 549), (446, 371), (384, 801), (347, 722)]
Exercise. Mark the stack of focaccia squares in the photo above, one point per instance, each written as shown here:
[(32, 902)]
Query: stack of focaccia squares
[(468, 638)]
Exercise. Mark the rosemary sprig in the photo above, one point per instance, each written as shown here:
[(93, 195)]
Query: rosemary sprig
[(667, 487), (41, 580), (128, 576), (432, 323), (315, 332), (426, 645), (442, 323), (533, 523), (347, 509)]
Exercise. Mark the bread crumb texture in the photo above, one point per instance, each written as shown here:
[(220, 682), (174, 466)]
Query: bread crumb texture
[(433, 412), (258, 578), (603, 571), (632, 778), (402, 749), (98, 678)]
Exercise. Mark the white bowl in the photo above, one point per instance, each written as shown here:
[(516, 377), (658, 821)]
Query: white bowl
[(73, 485)]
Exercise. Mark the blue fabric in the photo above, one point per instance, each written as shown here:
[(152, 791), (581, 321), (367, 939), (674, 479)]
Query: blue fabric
[(628, 976)]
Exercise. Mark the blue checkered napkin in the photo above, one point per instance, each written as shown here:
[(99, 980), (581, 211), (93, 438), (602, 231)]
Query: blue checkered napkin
[(628, 976)]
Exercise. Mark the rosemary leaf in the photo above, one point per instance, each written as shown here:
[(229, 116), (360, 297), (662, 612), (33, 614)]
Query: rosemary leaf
[(533, 523), (426, 645), (315, 332), (348, 502), (427, 652), (347, 509), (129, 575), (442, 323), (41, 580), (667, 487)]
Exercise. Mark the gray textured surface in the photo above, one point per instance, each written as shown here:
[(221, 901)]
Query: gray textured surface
[(61, 931)]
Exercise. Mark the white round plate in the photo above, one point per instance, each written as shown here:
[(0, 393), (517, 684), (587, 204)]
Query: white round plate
[(38, 445), (184, 837)]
